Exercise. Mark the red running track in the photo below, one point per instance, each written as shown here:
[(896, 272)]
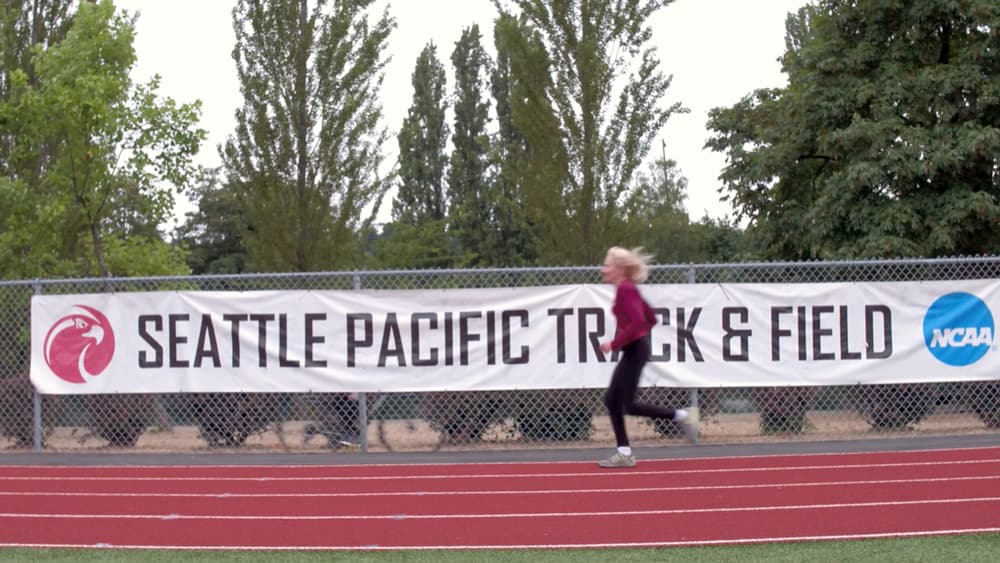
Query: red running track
[(518, 505)]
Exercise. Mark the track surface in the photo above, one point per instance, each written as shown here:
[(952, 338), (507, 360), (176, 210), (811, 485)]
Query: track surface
[(666, 502)]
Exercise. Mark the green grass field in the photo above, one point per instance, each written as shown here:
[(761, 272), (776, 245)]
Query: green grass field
[(967, 549)]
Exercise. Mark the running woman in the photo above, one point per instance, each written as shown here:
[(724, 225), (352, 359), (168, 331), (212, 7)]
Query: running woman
[(625, 268)]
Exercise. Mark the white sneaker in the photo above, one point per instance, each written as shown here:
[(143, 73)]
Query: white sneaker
[(618, 460)]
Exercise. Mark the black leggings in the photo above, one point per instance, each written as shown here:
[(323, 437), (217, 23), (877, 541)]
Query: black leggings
[(620, 397)]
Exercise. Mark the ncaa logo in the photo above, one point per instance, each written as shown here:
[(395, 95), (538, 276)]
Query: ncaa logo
[(80, 346), (958, 329)]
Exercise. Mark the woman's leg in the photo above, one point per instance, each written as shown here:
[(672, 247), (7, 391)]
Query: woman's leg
[(616, 407), (650, 411), (621, 391), (620, 398)]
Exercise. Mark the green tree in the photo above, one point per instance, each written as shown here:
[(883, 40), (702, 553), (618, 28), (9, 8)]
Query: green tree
[(885, 142), (405, 246), (422, 141), (472, 213), (23, 31), (26, 27), (305, 157), (213, 234), (656, 219), (418, 236), (607, 90), (655, 216), (114, 153), (722, 241), (530, 164)]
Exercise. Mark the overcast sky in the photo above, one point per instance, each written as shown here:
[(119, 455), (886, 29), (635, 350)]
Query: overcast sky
[(716, 50)]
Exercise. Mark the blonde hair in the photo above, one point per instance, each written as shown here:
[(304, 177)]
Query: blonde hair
[(634, 263)]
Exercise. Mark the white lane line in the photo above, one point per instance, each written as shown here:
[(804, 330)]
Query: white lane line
[(490, 516), (512, 547), (499, 492), (617, 474)]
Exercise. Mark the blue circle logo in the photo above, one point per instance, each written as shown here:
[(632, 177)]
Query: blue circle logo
[(958, 329)]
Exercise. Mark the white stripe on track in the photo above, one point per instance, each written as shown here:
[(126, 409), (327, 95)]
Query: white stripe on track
[(499, 492), (488, 516), (684, 543), (616, 473)]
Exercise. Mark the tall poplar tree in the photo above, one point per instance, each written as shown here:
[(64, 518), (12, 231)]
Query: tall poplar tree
[(530, 161), (418, 237), (607, 90), (422, 141), (306, 154), (472, 216)]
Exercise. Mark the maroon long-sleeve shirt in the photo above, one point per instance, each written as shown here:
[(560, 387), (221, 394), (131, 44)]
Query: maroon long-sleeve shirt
[(633, 315)]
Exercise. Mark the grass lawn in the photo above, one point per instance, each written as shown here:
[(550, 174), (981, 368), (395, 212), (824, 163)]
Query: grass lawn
[(966, 548)]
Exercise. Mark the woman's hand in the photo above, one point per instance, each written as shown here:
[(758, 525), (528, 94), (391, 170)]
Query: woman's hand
[(606, 347)]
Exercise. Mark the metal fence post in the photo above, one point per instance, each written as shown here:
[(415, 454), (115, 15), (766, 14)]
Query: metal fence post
[(362, 396), (37, 421), (693, 393), (37, 403)]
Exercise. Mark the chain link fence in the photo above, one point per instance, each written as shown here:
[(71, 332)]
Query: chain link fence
[(304, 422)]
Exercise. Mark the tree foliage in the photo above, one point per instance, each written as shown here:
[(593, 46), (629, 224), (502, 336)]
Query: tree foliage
[(656, 218), (885, 142), (26, 26), (529, 158), (213, 234), (472, 214), (607, 89), (422, 142), (112, 154), (305, 156), (24, 154), (406, 246), (418, 237)]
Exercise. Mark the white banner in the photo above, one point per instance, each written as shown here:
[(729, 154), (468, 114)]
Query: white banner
[(735, 335)]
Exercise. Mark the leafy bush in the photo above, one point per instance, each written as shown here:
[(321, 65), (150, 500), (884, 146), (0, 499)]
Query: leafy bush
[(226, 420), (462, 416), (17, 419), (121, 418), (896, 406), (783, 409), (539, 418)]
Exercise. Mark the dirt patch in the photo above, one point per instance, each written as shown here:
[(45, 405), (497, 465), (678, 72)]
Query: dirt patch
[(418, 435)]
